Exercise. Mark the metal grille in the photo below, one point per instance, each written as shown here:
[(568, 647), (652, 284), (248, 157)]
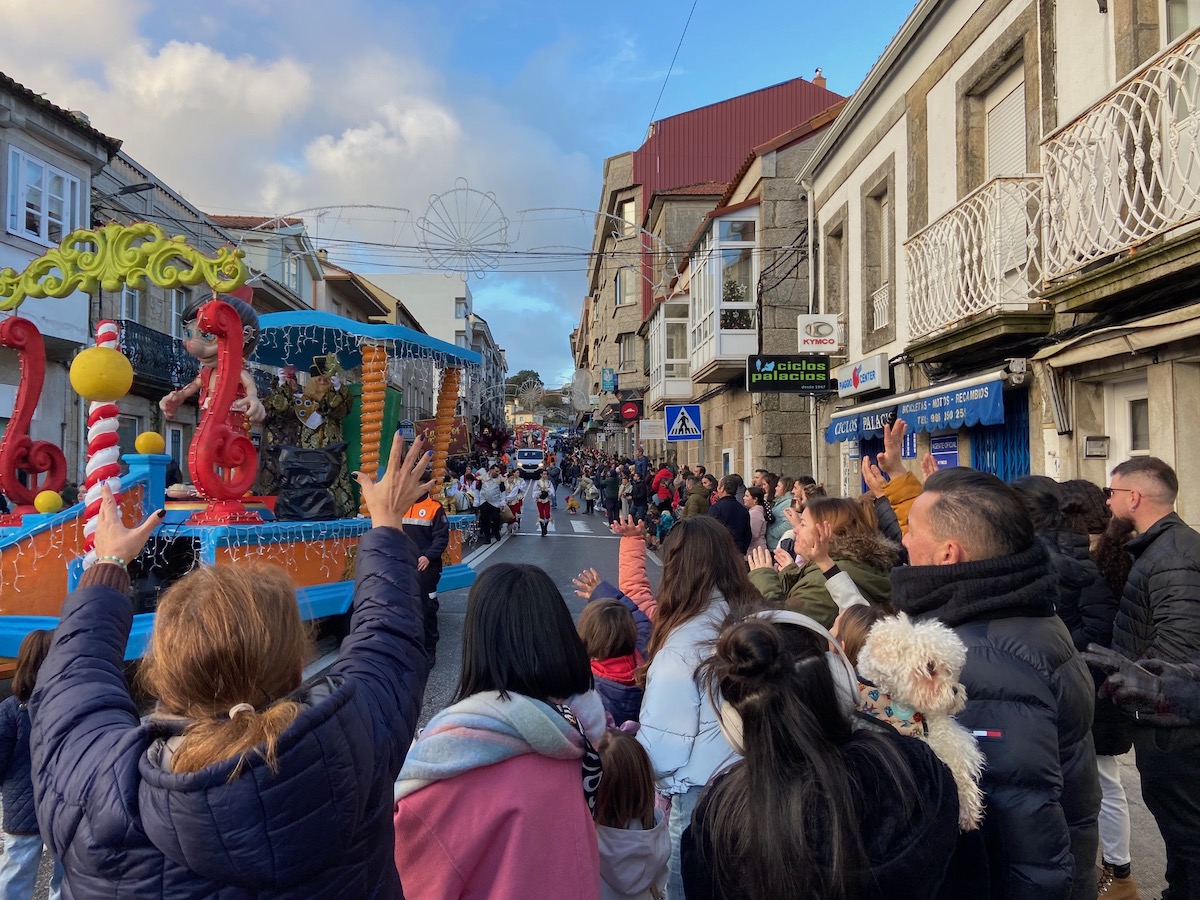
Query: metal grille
[(1129, 168), (158, 359), (1003, 449), (881, 308)]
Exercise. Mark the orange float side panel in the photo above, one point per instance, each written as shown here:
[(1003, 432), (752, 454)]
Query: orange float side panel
[(310, 563), (453, 554)]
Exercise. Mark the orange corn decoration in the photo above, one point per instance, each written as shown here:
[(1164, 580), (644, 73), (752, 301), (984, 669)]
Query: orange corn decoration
[(447, 404), (374, 391)]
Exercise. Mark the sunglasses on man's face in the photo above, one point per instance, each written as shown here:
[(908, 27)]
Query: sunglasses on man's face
[(1109, 491)]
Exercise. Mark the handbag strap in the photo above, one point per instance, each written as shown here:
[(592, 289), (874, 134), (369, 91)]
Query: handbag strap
[(593, 771)]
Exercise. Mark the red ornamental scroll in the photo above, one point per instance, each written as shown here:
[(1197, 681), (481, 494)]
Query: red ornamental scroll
[(18, 453)]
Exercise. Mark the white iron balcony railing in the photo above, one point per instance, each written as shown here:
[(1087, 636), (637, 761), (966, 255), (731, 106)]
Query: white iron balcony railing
[(1128, 169), (983, 255), (881, 308)]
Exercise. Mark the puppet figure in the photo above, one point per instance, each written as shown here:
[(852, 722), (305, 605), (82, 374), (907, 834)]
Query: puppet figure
[(247, 408)]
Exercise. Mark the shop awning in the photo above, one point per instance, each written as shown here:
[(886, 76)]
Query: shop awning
[(1116, 340), (945, 407)]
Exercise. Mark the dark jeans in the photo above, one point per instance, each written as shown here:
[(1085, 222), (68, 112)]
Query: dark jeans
[(489, 522), (1168, 760), (429, 603), (612, 509), (639, 512)]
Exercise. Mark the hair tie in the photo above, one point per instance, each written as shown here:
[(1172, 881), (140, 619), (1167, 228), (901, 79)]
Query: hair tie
[(240, 708)]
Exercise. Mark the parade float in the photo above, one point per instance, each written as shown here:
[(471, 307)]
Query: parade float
[(217, 519)]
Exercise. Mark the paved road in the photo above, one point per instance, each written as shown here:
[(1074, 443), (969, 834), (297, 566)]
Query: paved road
[(576, 542)]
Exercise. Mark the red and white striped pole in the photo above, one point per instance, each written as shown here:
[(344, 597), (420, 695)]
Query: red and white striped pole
[(103, 450)]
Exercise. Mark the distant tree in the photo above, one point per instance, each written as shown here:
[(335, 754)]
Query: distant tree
[(525, 375)]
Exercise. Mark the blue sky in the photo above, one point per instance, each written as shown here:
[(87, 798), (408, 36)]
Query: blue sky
[(256, 106)]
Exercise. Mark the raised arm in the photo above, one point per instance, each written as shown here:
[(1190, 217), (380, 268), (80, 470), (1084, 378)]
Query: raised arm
[(631, 567), (384, 652)]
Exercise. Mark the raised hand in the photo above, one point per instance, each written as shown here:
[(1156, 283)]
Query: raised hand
[(759, 558), (113, 539), (585, 582), (817, 551), (401, 485), (891, 460), (928, 466), (627, 527), (873, 477)]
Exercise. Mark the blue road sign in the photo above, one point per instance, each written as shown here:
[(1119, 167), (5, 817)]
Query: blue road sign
[(683, 422)]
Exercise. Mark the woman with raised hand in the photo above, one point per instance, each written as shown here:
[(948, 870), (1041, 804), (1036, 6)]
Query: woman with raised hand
[(243, 782), (824, 804), (495, 798), (704, 581)]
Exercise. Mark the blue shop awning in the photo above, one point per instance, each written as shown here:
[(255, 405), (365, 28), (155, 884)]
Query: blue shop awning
[(944, 407)]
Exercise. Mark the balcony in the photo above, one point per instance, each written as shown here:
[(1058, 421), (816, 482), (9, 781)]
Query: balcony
[(881, 307), (159, 361), (1128, 169), (979, 261)]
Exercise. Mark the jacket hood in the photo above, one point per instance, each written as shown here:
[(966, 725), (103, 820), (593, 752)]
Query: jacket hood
[(1018, 585), (263, 829), (698, 490), (631, 861), (1069, 558), (868, 548)]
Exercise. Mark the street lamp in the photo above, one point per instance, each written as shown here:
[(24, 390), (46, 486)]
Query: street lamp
[(127, 189)]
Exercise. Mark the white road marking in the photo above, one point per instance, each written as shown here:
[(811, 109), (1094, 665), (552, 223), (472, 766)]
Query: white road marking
[(479, 554), (580, 527)]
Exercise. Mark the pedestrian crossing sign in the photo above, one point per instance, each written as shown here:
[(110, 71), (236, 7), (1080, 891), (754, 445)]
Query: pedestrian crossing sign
[(683, 422)]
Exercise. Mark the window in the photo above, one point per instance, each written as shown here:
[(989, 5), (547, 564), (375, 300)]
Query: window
[(877, 262), (460, 339), (626, 286), (128, 428), (178, 300), (627, 211), (43, 202), (131, 304), (1182, 17), (460, 307), (627, 352), (175, 444), (291, 272), (1139, 426)]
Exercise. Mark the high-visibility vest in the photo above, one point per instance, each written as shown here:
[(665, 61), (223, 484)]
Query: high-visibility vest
[(422, 512)]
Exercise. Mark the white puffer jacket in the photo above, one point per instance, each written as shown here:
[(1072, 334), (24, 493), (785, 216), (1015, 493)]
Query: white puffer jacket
[(679, 726)]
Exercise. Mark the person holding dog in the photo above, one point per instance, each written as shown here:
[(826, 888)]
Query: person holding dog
[(977, 566)]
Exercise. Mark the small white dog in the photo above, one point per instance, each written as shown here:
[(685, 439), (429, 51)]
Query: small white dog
[(918, 664)]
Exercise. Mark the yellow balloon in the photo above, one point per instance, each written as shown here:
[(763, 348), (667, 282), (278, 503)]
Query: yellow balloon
[(149, 442), (48, 502), (101, 374)]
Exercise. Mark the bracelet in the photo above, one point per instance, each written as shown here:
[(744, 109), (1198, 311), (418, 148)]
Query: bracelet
[(115, 560)]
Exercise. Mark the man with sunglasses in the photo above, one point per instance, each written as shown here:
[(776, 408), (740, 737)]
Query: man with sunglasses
[(1159, 619)]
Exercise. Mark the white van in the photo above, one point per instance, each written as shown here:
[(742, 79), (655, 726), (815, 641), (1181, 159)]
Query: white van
[(530, 461)]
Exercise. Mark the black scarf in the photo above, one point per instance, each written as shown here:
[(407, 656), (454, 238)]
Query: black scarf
[(1004, 587), (592, 769)]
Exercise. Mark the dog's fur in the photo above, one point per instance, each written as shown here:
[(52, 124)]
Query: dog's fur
[(918, 664)]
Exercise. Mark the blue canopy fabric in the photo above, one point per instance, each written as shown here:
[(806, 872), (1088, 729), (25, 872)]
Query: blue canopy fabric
[(978, 404), (297, 338)]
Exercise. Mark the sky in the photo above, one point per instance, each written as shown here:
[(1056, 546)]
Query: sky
[(485, 119)]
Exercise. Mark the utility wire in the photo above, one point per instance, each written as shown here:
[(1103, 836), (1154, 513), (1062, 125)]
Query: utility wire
[(672, 65)]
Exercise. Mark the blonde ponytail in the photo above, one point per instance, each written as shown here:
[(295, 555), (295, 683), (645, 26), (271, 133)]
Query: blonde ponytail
[(211, 740)]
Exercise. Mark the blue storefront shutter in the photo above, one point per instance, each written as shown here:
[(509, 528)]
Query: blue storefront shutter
[(1003, 449)]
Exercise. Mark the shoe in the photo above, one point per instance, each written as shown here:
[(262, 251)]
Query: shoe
[(1109, 887), (543, 529)]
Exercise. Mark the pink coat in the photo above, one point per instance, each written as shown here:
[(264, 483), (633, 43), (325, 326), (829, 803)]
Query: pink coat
[(501, 832)]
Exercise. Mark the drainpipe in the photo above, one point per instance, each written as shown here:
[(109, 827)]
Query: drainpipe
[(806, 185)]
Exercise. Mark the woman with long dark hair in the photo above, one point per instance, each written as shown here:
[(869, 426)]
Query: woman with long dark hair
[(823, 805), (495, 796), (704, 580)]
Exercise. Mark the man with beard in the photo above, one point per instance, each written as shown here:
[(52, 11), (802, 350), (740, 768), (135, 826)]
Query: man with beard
[(1159, 619)]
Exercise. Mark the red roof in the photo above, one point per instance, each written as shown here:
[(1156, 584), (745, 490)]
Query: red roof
[(707, 145), (251, 222)]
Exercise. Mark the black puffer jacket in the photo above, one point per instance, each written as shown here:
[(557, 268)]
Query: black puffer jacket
[(1158, 617), (1087, 606), (1030, 695)]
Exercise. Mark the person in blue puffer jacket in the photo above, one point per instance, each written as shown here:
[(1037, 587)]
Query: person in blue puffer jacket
[(242, 783), (22, 842)]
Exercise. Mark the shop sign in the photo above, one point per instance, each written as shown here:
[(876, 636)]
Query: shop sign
[(653, 430), (817, 334), (796, 374), (944, 449), (864, 376), (608, 380), (631, 410)]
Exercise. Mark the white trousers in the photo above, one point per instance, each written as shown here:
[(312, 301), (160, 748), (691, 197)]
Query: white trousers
[(1114, 812)]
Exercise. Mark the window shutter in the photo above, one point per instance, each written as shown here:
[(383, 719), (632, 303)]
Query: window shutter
[(1006, 134)]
